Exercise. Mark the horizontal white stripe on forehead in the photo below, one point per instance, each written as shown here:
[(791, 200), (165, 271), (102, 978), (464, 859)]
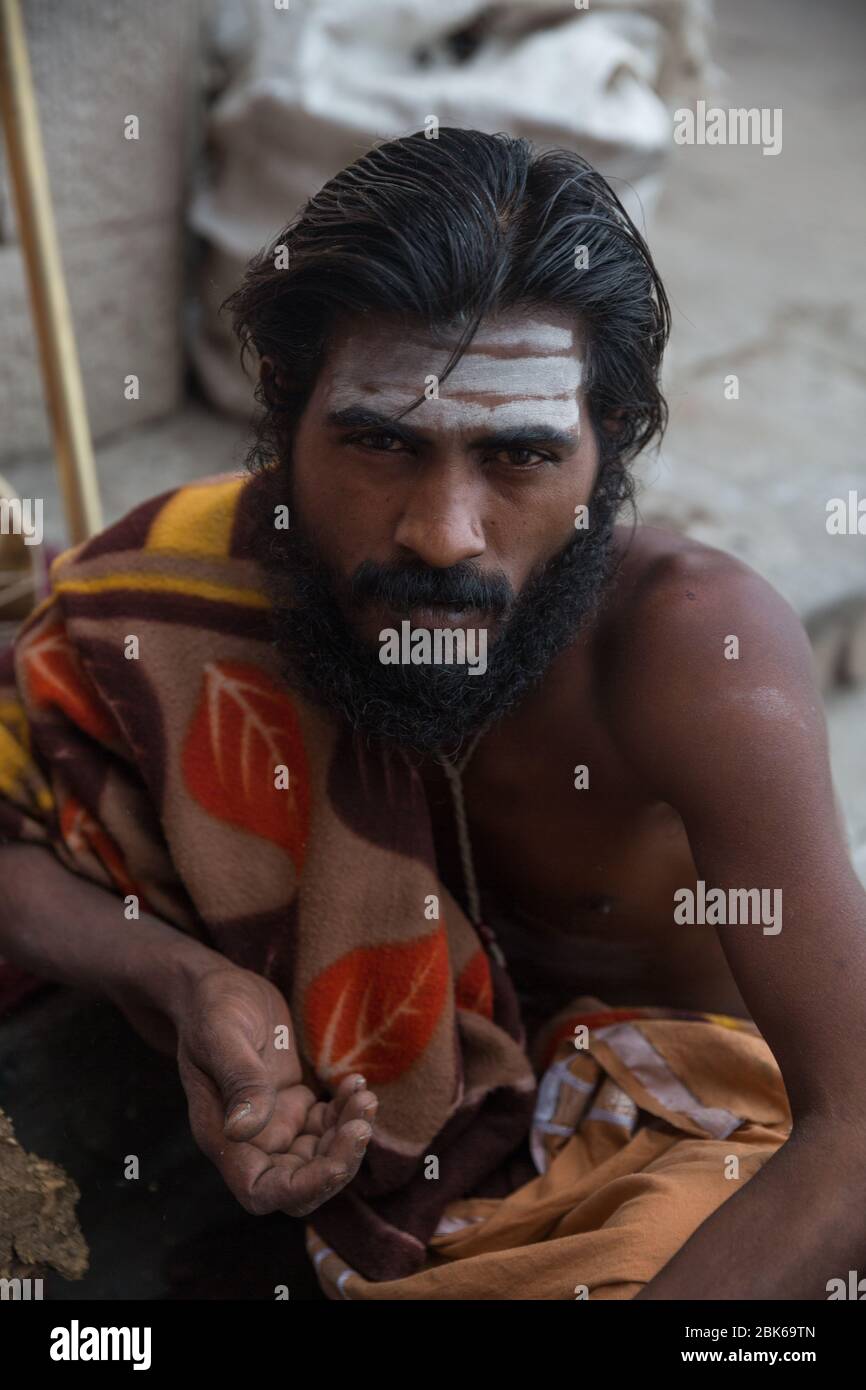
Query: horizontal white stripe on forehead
[(541, 337), (463, 415), (511, 376), (493, 376)]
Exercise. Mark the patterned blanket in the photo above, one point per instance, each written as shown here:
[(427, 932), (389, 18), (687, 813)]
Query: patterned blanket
[(143, 731)]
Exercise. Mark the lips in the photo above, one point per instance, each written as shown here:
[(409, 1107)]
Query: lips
[(378, 615), (443, 617)]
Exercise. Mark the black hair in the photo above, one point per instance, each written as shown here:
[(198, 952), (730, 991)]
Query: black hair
[(448, 232)]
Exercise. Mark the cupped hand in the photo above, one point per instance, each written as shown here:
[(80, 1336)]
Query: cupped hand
[(277, 1147)]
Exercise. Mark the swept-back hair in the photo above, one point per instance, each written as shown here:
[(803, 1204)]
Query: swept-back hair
[(448, 232)]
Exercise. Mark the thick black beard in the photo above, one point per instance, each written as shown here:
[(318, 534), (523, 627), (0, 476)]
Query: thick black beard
[(433, 706)]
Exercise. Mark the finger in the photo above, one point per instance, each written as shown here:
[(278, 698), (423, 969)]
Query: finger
[(204, 1103), (322, 1177), (264, 1183), (323, 1145), (291, 1184), (349, 1145), (326, 1143), (293, 1155), (327, 1113), (363, 1105), (247, 1091), (296, 1187), (288, 1122), (253, 1178), (259, 1181), (304, 1147)]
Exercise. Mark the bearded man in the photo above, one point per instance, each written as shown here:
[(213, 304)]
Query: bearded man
[(471, 963)]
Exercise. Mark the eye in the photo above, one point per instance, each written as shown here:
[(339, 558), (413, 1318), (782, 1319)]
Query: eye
[(521, 458), (380, 440)]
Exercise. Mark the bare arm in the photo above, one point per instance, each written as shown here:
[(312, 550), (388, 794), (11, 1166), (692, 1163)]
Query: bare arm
[(277, 1146), (739, 747), (63, 927)]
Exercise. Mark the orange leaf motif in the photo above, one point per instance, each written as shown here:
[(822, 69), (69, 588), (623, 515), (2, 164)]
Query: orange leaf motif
[(244, 728), (375, 1009), (55, 678), (474, 987), (81, 832)]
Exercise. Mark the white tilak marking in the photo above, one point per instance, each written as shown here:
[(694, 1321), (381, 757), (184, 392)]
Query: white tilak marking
[(512, 376), (461, 415), (482, 375), (542, 336)]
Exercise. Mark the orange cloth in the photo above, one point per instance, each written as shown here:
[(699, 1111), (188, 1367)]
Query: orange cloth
[(640, 1135)]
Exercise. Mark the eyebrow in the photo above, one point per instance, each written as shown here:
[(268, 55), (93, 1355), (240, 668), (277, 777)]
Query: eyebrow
[(513, 436)]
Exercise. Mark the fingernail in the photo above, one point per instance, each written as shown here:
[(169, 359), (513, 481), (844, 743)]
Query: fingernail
[(240, 1112), (371, 1108), (360, 1083)]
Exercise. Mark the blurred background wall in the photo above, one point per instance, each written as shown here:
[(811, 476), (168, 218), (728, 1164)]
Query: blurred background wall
[(119, 205)]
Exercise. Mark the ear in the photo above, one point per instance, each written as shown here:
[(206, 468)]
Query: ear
[(271, 380), (614, 420)]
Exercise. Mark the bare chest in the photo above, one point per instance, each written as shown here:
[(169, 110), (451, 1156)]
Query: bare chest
[(576, 871)]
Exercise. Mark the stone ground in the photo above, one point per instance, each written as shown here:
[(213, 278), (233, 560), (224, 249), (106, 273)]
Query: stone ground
[(761, 257)]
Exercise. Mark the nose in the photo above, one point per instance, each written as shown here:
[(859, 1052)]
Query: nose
[(441, 522)]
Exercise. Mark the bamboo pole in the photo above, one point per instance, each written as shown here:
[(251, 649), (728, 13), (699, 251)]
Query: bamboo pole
[(57, 350)]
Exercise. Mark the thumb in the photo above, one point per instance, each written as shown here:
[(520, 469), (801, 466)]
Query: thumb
[(247, 1092)]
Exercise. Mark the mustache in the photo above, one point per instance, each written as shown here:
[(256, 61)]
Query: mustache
[(459, 586)]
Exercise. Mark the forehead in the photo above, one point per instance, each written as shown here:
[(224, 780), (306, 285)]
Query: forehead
[(516, 367)]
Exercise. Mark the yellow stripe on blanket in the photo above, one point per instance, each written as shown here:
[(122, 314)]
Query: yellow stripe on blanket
[(18, 773), (165, 583), (197, 520)]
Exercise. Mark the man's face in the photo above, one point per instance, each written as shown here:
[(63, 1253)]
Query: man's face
[(487, 474), (459, 515)]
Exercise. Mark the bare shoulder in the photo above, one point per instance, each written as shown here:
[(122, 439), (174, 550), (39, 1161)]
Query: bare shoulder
[(696, 645), (673, 596)]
